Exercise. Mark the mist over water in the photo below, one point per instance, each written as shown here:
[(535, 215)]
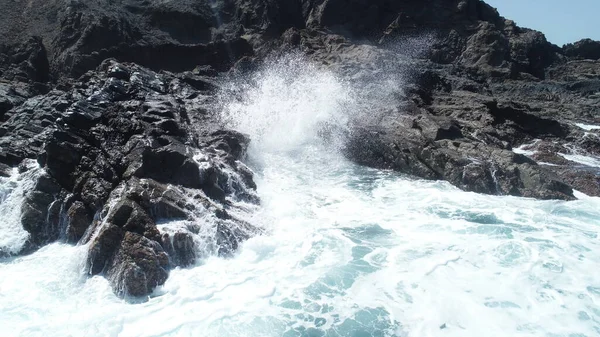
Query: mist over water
[(347, 251)]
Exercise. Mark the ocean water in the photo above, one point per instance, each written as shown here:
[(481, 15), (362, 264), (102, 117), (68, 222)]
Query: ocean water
[(347, 250)]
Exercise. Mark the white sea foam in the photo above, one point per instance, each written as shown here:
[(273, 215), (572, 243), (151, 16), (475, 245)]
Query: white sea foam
[(582, 159), (350, 251), (588, 127), (524, 149)]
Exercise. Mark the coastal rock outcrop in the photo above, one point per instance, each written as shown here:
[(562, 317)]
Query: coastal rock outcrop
[(123, 149), (468, 87)]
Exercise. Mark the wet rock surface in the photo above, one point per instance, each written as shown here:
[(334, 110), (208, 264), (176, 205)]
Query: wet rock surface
[(115, 101), (122, 149)]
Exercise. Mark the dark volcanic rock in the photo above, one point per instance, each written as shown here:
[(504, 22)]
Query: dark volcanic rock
[(103, 247), (118, 154), (78, 221), (584, 49), (71, 38), (138, 266), (168, 164), (40, 210), (181, 248), (583, 179), (469, 165), (27, 61)]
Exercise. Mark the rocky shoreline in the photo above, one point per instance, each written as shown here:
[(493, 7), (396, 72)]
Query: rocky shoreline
[(114, 104), (127, 148)]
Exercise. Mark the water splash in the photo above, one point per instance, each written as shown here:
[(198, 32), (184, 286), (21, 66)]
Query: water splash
[(12, 194), (289, 103)]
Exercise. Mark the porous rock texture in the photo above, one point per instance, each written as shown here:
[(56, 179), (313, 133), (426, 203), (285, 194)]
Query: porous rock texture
[(115, 101)]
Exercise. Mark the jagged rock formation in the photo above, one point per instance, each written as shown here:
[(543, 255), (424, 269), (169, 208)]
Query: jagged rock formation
[(113, 99), (122, 149)]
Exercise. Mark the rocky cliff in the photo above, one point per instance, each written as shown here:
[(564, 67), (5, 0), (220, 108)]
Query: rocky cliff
[(112, 104)]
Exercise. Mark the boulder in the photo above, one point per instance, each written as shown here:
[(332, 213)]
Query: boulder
[(40, 211), (168, 164), (26, 61), (102, 248), (180, 247), (78, 221), (138, 266)]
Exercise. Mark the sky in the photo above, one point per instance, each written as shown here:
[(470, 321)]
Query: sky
[(562, 21)]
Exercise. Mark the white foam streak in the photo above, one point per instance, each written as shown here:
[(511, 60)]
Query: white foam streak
[(525, 149), (582, 159), (587, 127)]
